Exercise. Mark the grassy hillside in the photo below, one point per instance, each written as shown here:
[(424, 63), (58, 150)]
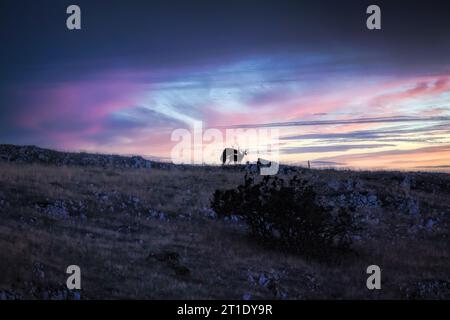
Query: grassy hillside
[(151, 234)]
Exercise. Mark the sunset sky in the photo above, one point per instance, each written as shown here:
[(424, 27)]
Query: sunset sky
[(340, 95)]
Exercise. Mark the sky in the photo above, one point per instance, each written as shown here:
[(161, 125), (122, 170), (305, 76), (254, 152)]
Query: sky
[(338, 94)]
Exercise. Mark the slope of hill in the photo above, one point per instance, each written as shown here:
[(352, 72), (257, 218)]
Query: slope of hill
[(149, 234), (33, 154)]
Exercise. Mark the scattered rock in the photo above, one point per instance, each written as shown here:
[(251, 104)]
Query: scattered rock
[(33, 154), (38, 270), (269, 280), (51, 292), (427, 289), (232, 218), (246, 296), (8, 295), (411, 206), (405, 185), (62, 209), (157, 215), (430, 222), (333, 185), (349, 185), (210, 213), (57, 211), (355, 200)]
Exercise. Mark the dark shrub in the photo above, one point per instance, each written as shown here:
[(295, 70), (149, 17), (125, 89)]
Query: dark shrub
[(287, 214)]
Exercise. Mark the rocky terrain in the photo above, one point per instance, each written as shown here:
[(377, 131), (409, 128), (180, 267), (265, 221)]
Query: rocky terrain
[(33, 154), (141, 229)]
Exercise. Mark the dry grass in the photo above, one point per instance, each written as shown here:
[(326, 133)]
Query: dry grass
[(219, 255)]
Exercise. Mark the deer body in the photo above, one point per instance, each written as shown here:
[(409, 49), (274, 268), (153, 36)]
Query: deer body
[(232, 155)]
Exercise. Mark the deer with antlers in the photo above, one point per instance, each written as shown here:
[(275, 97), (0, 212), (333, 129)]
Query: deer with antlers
[(233, 155)]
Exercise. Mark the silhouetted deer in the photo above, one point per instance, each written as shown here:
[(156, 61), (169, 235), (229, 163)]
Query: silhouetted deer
[(232, 155)]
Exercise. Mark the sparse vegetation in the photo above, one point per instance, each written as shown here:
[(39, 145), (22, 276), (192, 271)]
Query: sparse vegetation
[(287, 214), (151, 233)]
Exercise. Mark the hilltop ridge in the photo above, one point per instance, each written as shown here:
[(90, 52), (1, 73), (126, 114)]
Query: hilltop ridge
[(34, 154), (153, 233)]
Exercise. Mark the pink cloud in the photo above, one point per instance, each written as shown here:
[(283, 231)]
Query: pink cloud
[(422, 89), (68, 112)]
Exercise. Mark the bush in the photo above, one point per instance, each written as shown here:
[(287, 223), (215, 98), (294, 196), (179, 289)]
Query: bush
[(287, 214)]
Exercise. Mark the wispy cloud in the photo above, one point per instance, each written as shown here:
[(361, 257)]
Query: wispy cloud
[(344, 121), (433, 157), (332, 148)]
